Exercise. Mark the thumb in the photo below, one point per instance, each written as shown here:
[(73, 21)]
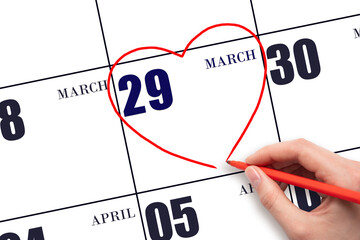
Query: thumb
[(274, 199)]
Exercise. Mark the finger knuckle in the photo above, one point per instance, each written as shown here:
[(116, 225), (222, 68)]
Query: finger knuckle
[(300, 146), (302, 143)]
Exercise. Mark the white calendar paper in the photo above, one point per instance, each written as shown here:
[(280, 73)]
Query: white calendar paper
[(72, 169)]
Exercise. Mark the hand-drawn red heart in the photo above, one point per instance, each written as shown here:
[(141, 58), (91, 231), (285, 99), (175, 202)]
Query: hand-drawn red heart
[(181, 55)]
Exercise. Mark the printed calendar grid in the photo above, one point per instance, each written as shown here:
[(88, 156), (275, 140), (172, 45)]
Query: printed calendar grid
[(178, 51), (122, 196), (269, 90), (136, 193)]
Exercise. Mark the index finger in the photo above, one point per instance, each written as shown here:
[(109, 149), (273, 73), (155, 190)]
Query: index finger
[(312, 157)]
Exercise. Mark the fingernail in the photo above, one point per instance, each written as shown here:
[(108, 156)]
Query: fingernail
[(253, 176)]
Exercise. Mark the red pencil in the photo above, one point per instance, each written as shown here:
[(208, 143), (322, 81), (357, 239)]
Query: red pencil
[(313, 185)]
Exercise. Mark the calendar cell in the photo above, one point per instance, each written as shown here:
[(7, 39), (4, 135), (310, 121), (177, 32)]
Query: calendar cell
[(198, 123), (78, 222), (168, 24), (183, 207), (62, 38), (71, 169), (312, 108), (286, 14), (71, 148)]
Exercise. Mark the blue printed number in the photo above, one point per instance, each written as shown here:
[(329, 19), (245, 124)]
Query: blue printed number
[(158, 212), (164, 91), (11, 125), (33, 234), (130, 108), (305, 70), (303, 202), (157, 84)]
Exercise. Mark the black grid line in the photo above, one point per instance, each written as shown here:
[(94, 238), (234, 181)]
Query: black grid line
[(347, 150), (122, 125), (65, 208), (53, 77), (124, 62), (141, 59), (145, 191), (269, 90), (267, 80), (149, 57), (310, 24), (190, 182), (119, 197)]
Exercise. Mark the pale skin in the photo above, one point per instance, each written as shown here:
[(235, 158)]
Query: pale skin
[(334, 218)]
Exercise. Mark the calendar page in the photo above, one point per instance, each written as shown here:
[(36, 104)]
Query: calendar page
[(116, 117)]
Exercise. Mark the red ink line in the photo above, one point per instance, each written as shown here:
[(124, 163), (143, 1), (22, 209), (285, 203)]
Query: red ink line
[(181, 56)]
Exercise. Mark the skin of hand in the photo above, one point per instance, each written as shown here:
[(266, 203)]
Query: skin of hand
[(334, 218)]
